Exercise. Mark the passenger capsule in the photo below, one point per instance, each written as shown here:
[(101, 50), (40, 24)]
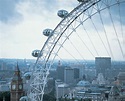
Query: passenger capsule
[(47, 32), (27, 75), (24, 98), (62, 13), (83, 1), (36, 53)]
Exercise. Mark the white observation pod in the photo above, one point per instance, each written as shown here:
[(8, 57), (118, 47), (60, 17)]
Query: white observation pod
[(62, 13), (36, 53), (27, 75), (47, 32), (24, 98), (83, 1)]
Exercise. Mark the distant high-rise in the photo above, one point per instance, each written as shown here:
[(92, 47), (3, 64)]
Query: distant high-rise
[(102, 64), (60, 71), (69, 75), (76, 73)]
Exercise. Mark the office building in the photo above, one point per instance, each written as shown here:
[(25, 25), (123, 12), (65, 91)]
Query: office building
[(69, 75), (102, 64)]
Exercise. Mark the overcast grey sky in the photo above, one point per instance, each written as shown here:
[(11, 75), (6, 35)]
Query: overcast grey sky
[(22, 23)]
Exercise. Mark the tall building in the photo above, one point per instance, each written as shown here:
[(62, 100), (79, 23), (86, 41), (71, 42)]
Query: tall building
[(61, 89), (60, 71), (16, 90), (3, 66), (76, 73), (102, 64), (81, 70), (69, 75)]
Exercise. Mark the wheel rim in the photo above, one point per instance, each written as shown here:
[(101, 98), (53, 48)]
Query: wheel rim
[(54, 43)]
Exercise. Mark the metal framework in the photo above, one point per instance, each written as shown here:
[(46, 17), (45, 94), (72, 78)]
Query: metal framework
[(55, 42)]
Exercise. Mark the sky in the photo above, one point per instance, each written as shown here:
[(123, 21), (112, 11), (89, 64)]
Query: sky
[(22, 23)]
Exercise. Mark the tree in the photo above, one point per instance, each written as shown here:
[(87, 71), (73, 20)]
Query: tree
[(5, 95)]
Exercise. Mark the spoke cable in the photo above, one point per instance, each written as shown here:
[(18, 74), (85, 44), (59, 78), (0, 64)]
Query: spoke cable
[(99, 36), (84, 44), (90, 39), (76, 49), (116, 33), (121, 22), (105, 34)]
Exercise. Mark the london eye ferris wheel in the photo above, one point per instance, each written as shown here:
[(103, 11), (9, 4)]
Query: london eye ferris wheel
[(94, 28)]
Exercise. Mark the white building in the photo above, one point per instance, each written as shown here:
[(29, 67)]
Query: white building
[(61, 89)]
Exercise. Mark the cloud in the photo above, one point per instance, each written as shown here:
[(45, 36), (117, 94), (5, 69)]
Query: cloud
[(22, 23), (21, 29), (8, 10)]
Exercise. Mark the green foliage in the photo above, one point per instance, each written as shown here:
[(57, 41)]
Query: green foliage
[(87, 99), (49, 97), (5, 95)]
